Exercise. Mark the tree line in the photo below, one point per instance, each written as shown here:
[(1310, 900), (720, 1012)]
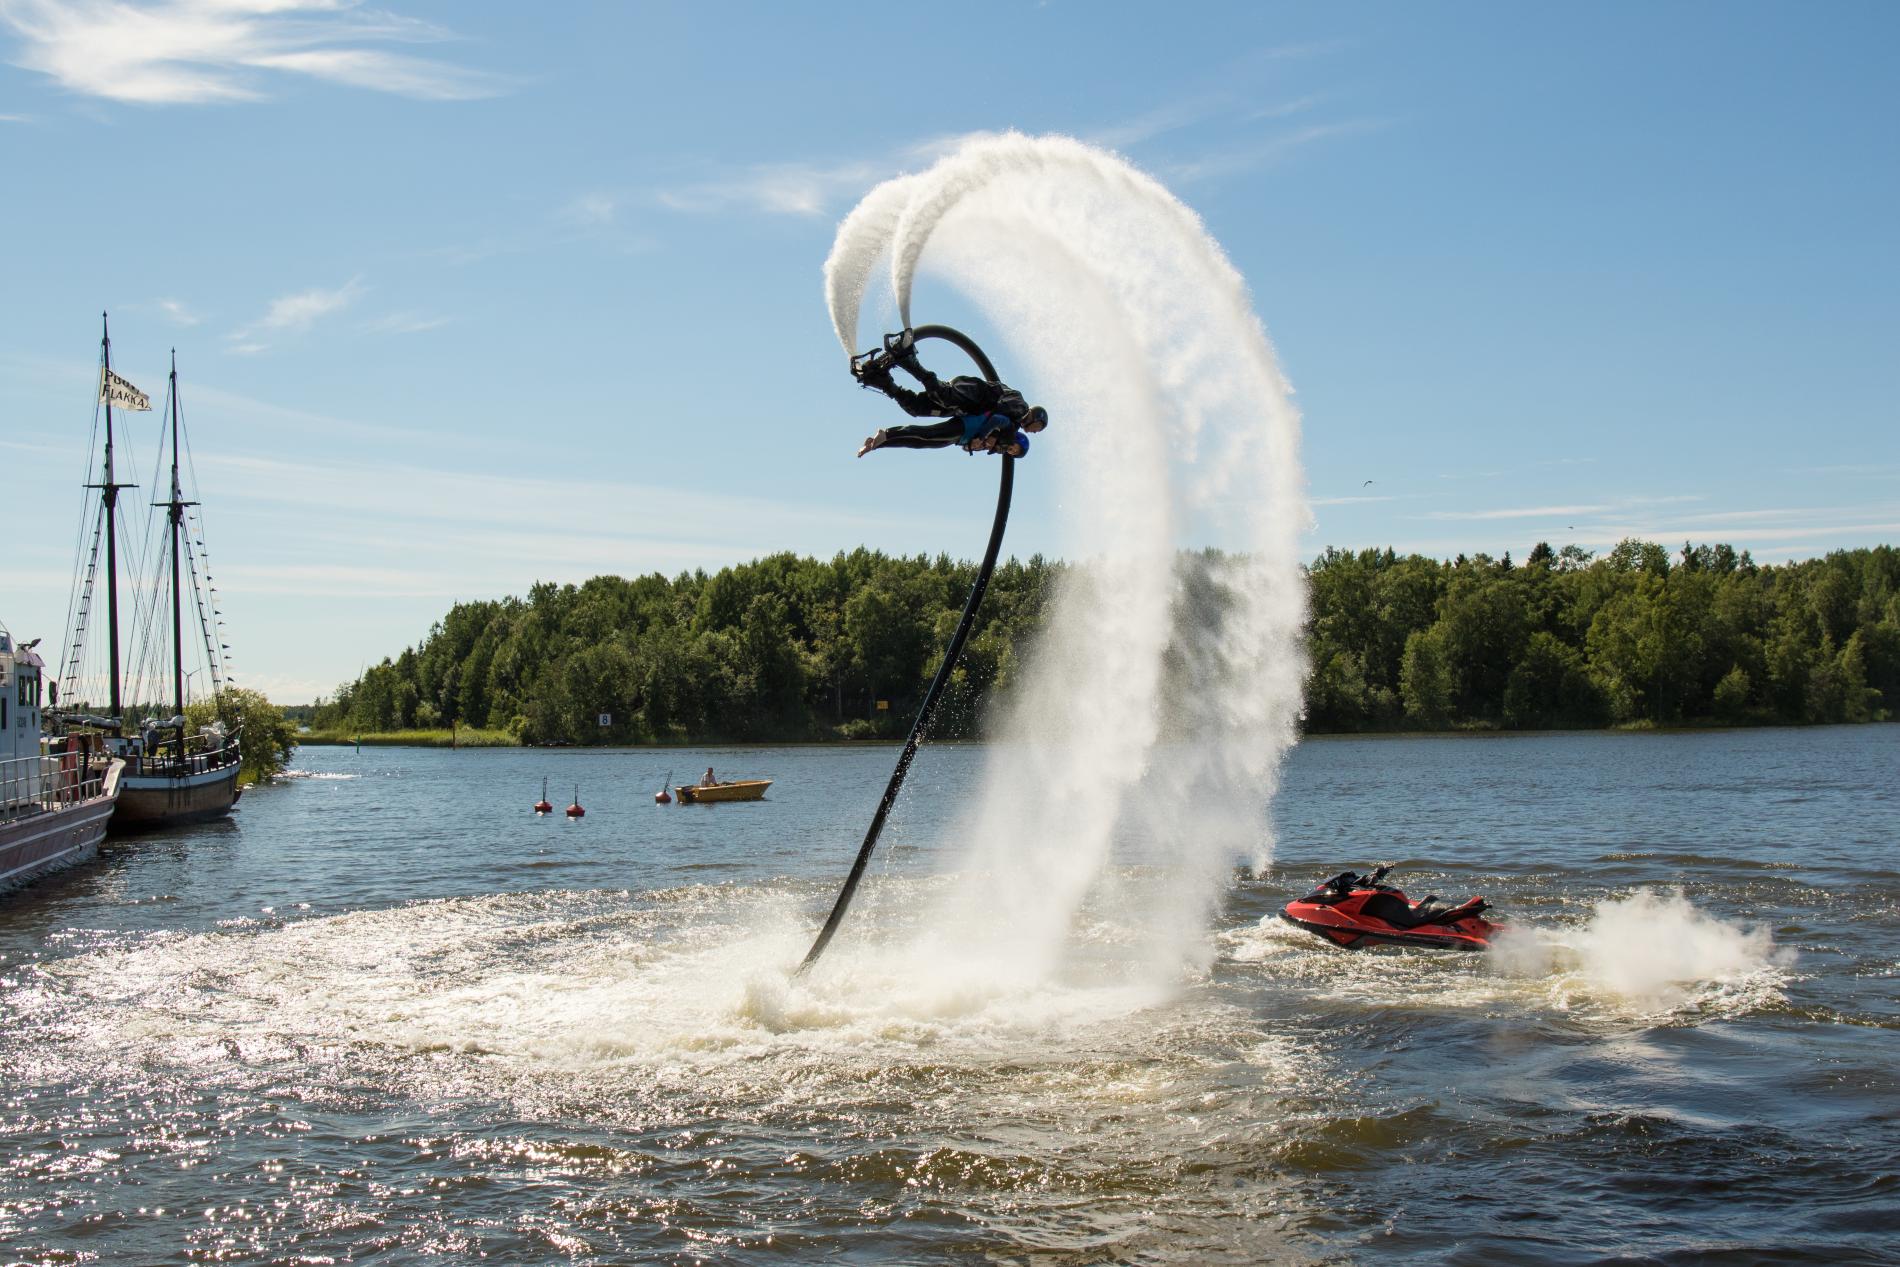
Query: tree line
[(1568, 640), (782, 648), (787, 648)]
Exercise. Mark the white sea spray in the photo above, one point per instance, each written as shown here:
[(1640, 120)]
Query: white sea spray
[(1121, 314), (1651, 950)]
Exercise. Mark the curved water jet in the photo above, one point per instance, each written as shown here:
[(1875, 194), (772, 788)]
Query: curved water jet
[(1149, 716)]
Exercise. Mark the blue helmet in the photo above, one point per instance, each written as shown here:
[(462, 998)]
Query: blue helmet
[(1022, 439)]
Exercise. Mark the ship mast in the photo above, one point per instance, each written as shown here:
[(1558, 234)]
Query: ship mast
[(175, 512), (109, 494)]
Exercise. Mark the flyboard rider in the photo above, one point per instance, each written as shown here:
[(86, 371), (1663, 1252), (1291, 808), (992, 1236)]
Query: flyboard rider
[(978, 416)]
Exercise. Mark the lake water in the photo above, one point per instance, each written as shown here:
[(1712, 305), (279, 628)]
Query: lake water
[(384, 1013)]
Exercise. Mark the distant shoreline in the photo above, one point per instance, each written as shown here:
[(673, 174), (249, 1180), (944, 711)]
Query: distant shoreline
[(435, 739), (489, 739)]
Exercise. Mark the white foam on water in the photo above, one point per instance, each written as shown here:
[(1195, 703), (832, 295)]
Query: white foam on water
[(664, 1000), (1170, 418), (1645, 957), (1653, 951), (559, 979)]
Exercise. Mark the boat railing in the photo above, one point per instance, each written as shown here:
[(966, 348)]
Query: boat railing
[(171, 765), (37, 785)]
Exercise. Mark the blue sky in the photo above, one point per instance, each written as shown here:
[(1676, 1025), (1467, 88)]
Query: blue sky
[(471, 295)]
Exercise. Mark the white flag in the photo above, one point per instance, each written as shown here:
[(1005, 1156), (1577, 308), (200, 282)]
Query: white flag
[(114, 390)]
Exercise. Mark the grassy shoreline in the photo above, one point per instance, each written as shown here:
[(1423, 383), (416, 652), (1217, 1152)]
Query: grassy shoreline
[(460, 737), (470, 738)]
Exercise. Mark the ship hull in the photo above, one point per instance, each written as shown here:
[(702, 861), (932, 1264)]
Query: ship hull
[(151, 801), (37, 844)]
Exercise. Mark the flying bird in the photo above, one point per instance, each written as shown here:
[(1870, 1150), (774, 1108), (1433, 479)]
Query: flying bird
[(1367, 484)]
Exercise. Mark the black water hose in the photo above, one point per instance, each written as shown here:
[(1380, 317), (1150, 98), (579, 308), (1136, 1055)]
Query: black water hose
[(921, 727)]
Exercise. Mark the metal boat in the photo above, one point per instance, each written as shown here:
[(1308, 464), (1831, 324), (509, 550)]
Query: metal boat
[(53, 806), (740, 790)]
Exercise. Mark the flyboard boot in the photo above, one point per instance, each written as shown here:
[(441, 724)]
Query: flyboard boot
[(875, 366)]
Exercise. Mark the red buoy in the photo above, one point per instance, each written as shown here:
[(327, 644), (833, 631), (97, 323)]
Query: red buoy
[(575, 810), (543, 806), (663, 797)]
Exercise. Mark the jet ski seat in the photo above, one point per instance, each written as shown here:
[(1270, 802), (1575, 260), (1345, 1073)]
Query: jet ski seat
[(1395, 911), (1451, 914), (1399, 914)]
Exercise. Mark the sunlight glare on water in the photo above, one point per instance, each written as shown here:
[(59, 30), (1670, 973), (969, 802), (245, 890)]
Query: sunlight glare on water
[(316, 1031)]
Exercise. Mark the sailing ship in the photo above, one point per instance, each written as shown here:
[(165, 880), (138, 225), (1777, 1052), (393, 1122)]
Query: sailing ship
[(53, 806), (172, 775)]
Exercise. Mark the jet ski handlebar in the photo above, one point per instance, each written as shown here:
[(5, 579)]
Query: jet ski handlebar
[(1346, 881)]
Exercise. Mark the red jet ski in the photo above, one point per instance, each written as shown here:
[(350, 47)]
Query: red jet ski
[(1356, 910)]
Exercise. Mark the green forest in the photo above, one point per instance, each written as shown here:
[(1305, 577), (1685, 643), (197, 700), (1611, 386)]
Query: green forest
[(789, 648)]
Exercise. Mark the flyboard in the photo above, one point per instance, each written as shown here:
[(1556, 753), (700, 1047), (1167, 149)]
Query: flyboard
[(921, 727)]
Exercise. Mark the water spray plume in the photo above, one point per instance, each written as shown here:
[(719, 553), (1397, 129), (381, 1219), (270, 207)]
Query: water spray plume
[(1652, 949), (1172, 423)]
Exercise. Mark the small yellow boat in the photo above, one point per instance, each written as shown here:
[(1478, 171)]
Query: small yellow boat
[(741, 790)]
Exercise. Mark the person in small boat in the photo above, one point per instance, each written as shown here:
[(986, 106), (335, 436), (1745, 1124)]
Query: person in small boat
[(979, 416), (707, 779)]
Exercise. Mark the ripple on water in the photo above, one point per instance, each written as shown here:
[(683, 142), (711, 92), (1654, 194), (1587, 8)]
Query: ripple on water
[(613, 1064), (705, 1074)]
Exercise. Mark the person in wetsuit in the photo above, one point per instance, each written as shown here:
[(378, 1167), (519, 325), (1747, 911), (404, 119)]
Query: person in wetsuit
[(978, 416)]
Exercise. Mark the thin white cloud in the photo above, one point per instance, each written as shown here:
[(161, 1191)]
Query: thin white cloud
[(282, 420), (796, 189), (1523, 512), (1171, 117), (16, 118), (1271, 150), (43, 450), (786, 189), (591, 210), (179, 314), (1234, 95), (206, 51), (300, 311), (1621, 506), (394, 73), (1782, 514), (518, 507), (594, 219), (1882, 469), (1286, 109), (294, 314), (1186, 113), (1770, 533), (405, 323), (1740, 532), (1347, 501)]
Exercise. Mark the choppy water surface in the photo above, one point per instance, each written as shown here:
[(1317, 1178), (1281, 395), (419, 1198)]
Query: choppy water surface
[(386, 1013)]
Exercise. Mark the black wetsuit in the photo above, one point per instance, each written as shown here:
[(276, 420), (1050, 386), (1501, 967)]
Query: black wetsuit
[(970, 407)]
